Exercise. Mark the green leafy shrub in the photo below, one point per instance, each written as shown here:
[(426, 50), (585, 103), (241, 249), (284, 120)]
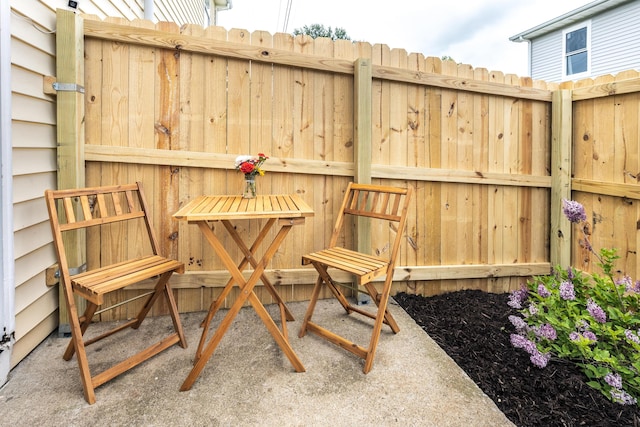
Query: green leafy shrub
[(588, 319)]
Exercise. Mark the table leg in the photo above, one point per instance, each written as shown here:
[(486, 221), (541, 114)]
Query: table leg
[(217, 303), (246, 293), (281, 339), (249, 255)]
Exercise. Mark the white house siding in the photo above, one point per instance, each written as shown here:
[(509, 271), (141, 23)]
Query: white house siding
[(34, 147), (545, 52), (182, 12), (34, 170), (615, 45), (616, 40)]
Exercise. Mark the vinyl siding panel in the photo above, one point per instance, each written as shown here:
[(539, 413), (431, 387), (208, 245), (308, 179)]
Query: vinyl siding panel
[(27, 293), (40, 13), (35, 60), (27, 161), (33, 135), (28, 109), (106, 8), (33, 326), (29, 187), (615, 45), (26, 320), (29, 83), (33, 264), (546, 57), (181, 12), (32, 238), (29, 213), (187, 12), (34, 147), (23, 30)]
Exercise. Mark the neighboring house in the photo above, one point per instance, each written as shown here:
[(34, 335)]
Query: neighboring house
[(602, 37), (28, 308)]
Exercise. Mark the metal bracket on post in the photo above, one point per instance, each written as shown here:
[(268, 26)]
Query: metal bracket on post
[(68, 87), (74, 270)]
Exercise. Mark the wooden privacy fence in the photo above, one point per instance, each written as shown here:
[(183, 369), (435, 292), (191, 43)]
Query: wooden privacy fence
[(173, 107), (606, 167)]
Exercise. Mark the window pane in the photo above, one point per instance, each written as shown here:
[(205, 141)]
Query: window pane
[(576, 40), (577, 63)]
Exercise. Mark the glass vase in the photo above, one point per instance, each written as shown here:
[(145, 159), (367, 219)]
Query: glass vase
[(249, 187)]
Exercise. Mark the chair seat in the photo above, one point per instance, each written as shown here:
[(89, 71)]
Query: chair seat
[(94, 284), (365, 267)]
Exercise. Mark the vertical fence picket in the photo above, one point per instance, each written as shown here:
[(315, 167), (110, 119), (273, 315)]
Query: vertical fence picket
[(479, 129)]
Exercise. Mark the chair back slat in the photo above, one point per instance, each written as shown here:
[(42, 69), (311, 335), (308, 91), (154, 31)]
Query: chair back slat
[(116, 204), (130, 200), (68, 210), (375, 203), (102, 205), (86, 207)]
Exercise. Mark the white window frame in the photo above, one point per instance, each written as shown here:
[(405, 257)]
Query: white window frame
[(565, 75)]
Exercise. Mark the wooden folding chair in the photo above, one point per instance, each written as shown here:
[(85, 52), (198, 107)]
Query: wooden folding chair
[(388, 204), (98, 209)]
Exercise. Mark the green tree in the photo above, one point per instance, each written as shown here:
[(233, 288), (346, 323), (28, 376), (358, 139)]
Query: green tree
[(319, 30)]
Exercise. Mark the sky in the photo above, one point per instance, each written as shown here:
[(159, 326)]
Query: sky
[(474, 32)]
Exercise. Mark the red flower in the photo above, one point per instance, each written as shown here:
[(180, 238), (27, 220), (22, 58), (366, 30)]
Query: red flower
[(247, 167)]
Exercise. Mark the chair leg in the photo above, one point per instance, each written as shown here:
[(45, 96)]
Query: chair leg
[(77, 345), (163, 288), (311, 307), (158, 289), (175, 316), (86, 321), (388, 318), (377, 325), (324, 276), (381, 317), (85, 372)]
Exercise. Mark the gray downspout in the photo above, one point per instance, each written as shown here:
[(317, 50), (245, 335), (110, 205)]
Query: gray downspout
[(529, 58), (149, 11), (217, 9)]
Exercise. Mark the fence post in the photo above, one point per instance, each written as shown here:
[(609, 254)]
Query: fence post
[(362, 87), (70, 133), (561, 151)]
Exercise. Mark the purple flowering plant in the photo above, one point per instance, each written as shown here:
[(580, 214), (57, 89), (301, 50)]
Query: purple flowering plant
[(590, 319)]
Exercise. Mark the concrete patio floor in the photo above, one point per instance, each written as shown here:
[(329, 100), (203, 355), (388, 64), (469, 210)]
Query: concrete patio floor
[(249, 382)]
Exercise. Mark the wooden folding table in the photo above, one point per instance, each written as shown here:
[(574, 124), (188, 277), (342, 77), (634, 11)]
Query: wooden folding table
[(204, 211)]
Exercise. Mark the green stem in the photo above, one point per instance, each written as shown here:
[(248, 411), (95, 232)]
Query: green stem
[(606, 268)]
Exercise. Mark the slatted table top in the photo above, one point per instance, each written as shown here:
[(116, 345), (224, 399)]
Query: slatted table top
[(215, 208)]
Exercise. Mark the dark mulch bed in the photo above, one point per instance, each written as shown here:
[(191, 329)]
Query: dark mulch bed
[(473, 329)]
